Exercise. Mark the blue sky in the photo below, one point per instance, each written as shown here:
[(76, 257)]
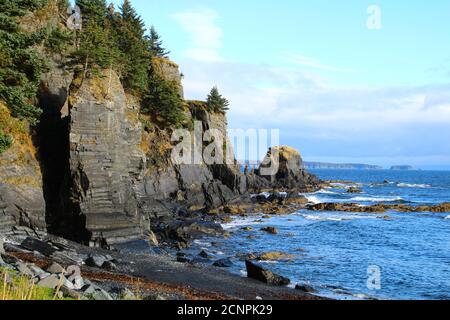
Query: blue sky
[(337, 90)]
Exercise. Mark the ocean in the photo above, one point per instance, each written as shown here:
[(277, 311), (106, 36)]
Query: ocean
[(358, 255)]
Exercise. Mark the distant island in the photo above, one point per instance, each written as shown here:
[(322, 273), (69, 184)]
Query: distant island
[(403, 168), (346, 166)]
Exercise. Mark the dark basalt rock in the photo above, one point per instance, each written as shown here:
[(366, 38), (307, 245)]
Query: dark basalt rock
[(39, 246), (257, 272), (354, 190), (270, 230), (305, 288), (183, 231), (223, 263)]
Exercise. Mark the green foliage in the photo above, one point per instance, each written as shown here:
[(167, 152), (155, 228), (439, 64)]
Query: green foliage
[(96, 47), (155, 44), (130, 40), (92, 11), (216, 102), (5, 142), (164, 101), (57, 40), (20, 64)]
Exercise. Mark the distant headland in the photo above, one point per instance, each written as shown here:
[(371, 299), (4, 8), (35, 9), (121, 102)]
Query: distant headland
[(346, 166)]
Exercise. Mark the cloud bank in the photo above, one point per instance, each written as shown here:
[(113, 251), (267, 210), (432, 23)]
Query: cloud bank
[(380, 125)]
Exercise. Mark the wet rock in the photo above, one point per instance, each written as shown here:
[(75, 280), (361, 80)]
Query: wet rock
[(247, 229), (204, 254), (354, 190), (305, 288), (182, 258), (223, 263), (38, 245), (247, 256), (271, 230), (185, 230), (274, 256), (257, 272)]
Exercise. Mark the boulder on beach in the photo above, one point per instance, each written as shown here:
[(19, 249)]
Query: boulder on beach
[(257, 272)]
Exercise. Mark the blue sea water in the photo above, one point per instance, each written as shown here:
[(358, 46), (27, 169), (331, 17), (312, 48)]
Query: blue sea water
[(336, 253)]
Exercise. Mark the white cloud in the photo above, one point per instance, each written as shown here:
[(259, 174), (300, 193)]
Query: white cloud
[(204, 34), (331, 121), (313, 63)]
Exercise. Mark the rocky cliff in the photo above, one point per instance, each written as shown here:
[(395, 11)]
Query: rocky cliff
[(21, 197), (102, 177)]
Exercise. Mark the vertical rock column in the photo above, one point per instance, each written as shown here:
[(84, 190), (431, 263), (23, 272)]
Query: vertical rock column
[(106, 162)]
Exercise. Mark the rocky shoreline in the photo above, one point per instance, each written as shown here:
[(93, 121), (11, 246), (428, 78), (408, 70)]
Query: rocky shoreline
[(84, 273)]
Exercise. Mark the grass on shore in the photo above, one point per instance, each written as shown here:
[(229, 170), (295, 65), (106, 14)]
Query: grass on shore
[(18, 287)]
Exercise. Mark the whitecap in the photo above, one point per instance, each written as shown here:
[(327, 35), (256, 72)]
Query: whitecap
[(313, 199), (413, 185), (324, 191), (375, 199), (447, 217)]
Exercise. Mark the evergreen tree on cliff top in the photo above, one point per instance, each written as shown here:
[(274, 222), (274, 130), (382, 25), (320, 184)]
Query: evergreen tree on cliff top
[(155, 44), (163, 100), (216, 102), (130, 30), (97, 48), (21, 64), (92, 9)]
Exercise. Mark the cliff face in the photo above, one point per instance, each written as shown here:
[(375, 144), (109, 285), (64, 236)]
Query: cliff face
[(21, 197), (122, 178), (105, 178), (106, 162)]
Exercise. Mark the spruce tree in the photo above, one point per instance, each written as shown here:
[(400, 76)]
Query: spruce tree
[(216, 102), (163, 100), (97, 48), (155, 44), (130, 40), (92, 10), (21, 64)]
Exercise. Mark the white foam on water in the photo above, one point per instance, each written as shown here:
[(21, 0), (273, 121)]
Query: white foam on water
[(413, 185), (313, 199), (240, 222), (324, 191), (335, 217), (375, 199), (447, 217)]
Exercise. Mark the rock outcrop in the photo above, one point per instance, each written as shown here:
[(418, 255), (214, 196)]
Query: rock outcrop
[(106, 162), (21, 197), (107, 178), (283, 169)]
